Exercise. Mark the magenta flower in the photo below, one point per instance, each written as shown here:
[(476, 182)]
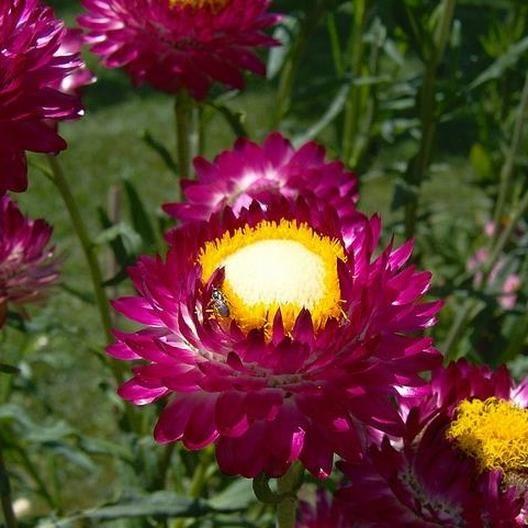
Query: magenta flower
[(28, 266), (272, 337), (252, 172), (174, 44), (33, 67), (462, 461)]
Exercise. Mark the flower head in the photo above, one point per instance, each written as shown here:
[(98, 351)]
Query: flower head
[(273, 337), (34, 64), (27, 263), (252, 172), (462, 463), (174, 44)]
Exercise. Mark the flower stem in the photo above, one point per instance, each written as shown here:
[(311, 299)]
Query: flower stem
[(5, 496), (61, 183), (183, 117), (63, 187), (509, 165), (291, 66), (352, 107), (427, 103), (198, 481), (288, 486)]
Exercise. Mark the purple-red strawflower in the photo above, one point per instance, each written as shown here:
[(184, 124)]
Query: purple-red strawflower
[(28, 266), (461, 462), (253, 172), (175, 44), (35, 62), (273, 333)]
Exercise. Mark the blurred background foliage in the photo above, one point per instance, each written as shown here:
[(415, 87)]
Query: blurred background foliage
[(426, 100)]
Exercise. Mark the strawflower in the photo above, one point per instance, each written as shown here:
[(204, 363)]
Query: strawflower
[(462, 462), (175, 44), (253, 172), (272, 337), (35, 62), (28, 266)]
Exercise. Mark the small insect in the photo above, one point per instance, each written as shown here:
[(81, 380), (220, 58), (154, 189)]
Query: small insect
[(219, 303)]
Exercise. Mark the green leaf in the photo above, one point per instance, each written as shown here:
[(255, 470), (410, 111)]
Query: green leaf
[(514, 53), (97, 446), (116, 234), (140, 218), (9, 369), (237, 496), (117, 244), (29, 430), (234, 119), (161, 150), (403, 194), (285, 34), (331, 113), (160, 504)]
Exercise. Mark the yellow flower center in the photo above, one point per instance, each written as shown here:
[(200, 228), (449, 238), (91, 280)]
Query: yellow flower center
[(213, 5), (273, 265), (494, 432)]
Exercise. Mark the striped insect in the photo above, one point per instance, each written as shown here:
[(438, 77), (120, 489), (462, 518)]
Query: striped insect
[(219, 304)]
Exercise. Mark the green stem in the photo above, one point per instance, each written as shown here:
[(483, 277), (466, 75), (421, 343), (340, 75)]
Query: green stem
[(427, 103), (41, 485), (509, 165), (5, 496), (202, 130), (164, 466), (198, 481), (288, 485), (289, 71), (182, 112), (352, 107), (58, 178), (88, 248)]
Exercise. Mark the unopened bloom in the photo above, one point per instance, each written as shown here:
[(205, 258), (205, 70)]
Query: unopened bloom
[(253, 172), (34, 64), (28, 266), (174, 44), (461, 464), (272, 337)]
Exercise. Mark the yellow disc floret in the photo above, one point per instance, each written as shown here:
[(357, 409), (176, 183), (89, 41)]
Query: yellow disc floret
[(494, 432), (213, 5), (273, 265)]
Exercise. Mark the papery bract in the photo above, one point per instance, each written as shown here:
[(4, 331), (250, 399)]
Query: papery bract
[(427, 479), (174, 44), (28, 266), (252, 172), (296, 386), (35, 62)]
